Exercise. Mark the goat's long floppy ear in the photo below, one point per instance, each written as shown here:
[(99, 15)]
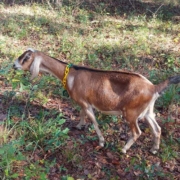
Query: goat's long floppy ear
[(34, 69)]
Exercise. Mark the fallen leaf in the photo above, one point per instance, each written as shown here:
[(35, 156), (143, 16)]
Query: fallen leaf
[(137, 173), (116, 162), (86, 172), (110, 155), (98, 165), (2, 117), (98, 148)]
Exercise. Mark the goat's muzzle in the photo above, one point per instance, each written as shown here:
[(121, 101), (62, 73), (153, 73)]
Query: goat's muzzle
[(17, 66), (14, 67)]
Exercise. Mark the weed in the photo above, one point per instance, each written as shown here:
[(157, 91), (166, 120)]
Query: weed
[(87, 34), (145, 170), (71, 156), (168, 97), (168, 147), (35, 133), (67, 178), (62, 168), (9, 155), (107, 171)]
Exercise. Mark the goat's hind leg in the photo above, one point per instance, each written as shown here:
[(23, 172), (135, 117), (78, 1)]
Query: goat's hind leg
[(156, 130), (135, 131)]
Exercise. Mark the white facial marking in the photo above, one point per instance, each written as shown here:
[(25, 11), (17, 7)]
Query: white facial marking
[(17, 65)]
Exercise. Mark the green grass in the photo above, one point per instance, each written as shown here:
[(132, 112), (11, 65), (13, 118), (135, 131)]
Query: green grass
[(95, 36)]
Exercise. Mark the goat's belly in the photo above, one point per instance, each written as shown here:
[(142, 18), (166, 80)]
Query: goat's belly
[(112, 112), (108, 112)]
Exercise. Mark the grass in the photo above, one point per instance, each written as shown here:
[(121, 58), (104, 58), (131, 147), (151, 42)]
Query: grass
[(34, 138)]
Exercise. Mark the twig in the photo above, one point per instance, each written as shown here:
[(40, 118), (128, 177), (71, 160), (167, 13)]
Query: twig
[(154, 14), (49, 4), (158, 9), (132, 4)]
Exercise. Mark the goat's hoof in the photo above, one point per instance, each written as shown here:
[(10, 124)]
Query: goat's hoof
[(101, 144), (123, 151), (79, 127), (154, 151), (98, 148)]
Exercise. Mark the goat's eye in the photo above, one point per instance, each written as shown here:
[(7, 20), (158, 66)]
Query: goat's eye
[(25, 59)]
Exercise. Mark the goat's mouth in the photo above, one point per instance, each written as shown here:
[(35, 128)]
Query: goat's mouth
[(15, 67)]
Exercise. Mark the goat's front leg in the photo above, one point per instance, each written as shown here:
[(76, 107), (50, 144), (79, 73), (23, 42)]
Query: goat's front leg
[(90, 114), (82, 119)]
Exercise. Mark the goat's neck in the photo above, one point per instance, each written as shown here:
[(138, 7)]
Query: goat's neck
[(53, 66)]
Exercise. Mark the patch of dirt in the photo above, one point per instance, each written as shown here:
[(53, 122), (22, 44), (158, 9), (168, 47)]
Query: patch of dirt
[(82, 158)]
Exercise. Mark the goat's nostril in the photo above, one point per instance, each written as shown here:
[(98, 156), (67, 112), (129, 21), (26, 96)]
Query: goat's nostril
[(14, 66)]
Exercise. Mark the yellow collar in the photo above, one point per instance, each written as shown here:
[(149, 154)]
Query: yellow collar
[(66, 72)]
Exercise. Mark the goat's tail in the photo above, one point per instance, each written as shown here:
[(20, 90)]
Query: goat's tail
[(171, 80)]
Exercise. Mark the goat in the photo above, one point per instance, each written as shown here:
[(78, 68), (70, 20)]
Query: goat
[(111, 92)]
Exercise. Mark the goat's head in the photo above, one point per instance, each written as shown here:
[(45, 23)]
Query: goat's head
[(28, 61)]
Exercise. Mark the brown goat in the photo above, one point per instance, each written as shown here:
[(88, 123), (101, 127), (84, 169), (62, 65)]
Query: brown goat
[(111, 92)]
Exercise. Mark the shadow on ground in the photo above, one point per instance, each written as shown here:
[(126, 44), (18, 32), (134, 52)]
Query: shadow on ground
[(121, 7)]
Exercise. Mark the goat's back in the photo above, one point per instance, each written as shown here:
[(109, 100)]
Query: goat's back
[(111, 90)]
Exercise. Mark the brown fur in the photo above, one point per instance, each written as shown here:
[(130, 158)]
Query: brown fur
[(111, 92)]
